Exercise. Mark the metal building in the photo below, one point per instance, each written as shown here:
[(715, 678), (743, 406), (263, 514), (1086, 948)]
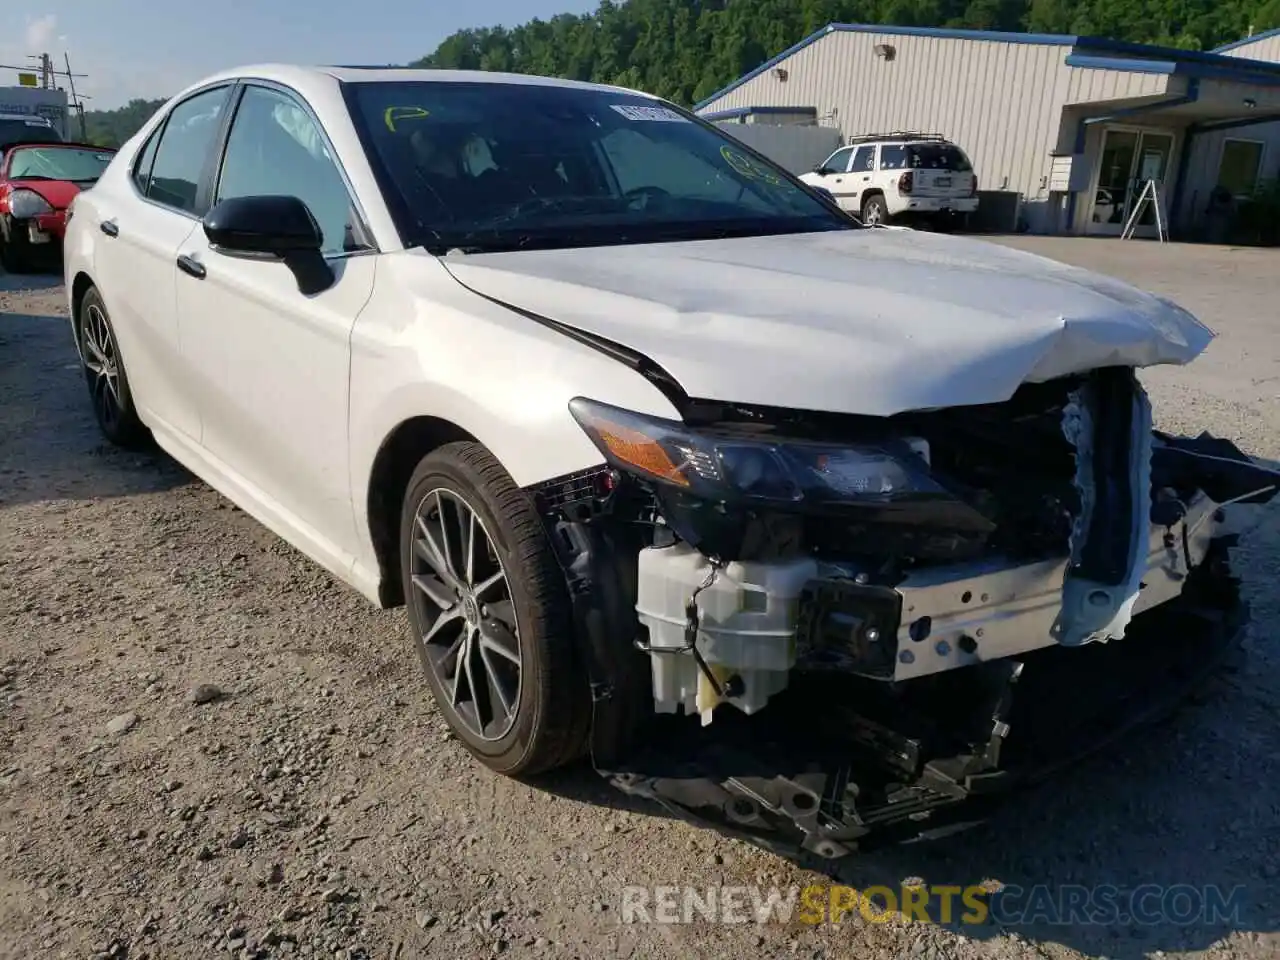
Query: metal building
[(1236, 156), (1072, 127)]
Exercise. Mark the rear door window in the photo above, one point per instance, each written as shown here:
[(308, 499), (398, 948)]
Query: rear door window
[(186, 148), (864, 159), (893, 156), (938, 156)]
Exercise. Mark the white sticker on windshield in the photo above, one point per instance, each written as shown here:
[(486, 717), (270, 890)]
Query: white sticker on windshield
[(656, 114)]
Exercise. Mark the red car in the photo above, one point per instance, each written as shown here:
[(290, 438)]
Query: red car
[(37, 184)]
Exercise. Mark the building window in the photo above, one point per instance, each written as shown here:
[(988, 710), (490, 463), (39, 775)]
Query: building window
[(1239, 167)]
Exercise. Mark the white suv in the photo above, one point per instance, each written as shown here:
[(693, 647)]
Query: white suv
[(881, 176)]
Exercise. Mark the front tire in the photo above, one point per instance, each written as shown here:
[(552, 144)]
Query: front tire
[(490, 614), (105, 376)]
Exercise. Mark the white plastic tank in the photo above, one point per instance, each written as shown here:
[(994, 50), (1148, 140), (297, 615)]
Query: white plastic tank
[(747, 626)]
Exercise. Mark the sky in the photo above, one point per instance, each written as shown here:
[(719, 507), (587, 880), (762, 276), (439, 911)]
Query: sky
[(150, 48)]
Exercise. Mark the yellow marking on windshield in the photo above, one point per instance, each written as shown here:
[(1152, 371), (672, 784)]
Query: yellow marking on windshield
[(747, 167), (393, 115)]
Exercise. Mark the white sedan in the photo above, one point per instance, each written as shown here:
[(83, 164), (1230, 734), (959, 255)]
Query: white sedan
[(636, 424)]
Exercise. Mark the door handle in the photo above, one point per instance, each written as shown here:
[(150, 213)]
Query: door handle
[(839, 179), (110, 228), (191, 266)]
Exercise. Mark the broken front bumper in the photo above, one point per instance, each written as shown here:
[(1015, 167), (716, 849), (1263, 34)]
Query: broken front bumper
[(840, 763), (758, 622), (960, 615)]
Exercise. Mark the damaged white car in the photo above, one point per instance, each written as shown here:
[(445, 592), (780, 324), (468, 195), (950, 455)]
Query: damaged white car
[(812, 530)]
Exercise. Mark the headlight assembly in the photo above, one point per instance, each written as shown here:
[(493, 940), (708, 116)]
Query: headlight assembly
[(767, 469), (25, 204)]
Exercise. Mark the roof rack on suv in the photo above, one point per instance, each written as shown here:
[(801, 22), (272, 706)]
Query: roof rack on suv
[(898, 135)]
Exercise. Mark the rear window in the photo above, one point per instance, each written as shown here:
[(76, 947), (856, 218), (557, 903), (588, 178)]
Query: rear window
[(24, 131), (937, 156), (77, 164)]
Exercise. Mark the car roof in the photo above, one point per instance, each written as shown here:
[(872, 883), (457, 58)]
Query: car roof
[(306, 78), (59, 144), (42, 121)]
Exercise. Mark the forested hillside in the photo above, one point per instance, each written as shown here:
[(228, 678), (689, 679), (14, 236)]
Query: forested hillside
[(111, 128), (688, 49)]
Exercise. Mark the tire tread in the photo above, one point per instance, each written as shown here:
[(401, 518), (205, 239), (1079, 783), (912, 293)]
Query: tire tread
[(562, 736)]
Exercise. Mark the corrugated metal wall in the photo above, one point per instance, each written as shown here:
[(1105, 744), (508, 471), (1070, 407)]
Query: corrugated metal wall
[(798, 149), (1263, 48), (1002, 102)]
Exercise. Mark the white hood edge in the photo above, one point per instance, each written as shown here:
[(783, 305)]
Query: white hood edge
[(872, 322)]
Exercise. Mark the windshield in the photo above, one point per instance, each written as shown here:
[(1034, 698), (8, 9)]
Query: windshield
[(27, 131), (494, 166), (80, 164), (937, 156)]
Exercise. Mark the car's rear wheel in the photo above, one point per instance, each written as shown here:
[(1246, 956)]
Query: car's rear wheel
[(105, 376), (874, 211), (490, 613)]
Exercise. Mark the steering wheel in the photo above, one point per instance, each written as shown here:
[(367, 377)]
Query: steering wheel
[(647, 194)]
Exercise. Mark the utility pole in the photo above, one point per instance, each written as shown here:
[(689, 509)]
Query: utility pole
[(76, 103), (45, 76)]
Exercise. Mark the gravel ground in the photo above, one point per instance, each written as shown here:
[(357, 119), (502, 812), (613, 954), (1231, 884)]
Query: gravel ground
[(207, 747)]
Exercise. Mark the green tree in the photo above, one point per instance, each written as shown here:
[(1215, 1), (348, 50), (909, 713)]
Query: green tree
[(688, 49), (111, 128)]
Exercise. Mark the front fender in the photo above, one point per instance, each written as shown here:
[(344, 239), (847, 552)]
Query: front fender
[(426, 346)]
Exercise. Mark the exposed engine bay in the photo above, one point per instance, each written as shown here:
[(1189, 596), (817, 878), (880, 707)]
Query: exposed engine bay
[(811, 628)]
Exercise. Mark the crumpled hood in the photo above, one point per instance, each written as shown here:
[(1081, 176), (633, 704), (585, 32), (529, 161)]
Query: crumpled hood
[(873, 322)]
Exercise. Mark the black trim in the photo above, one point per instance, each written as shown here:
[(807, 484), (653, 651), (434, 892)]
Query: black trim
[(135, 165), (192, 267), (58, 143), (637, 361), (213, 165)]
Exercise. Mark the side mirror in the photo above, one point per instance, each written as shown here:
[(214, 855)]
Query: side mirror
[(279, 227), (821, 170)]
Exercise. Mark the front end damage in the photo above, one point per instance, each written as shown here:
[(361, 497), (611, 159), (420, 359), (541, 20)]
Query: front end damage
[(826, 631)]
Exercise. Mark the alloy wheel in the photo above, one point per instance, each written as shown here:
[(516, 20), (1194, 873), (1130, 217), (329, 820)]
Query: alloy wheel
[(102, 363), (464, 602)]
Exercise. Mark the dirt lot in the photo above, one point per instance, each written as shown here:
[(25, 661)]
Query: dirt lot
[(317, 807)]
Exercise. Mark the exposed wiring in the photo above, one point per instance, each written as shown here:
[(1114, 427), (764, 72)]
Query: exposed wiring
[(692, 621), (1226, 503)]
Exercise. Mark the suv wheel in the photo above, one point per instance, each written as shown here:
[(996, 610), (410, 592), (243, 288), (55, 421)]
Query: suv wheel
[(875, 211), (490, 614)]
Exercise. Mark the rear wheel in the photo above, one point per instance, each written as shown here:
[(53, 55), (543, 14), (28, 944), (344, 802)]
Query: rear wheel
[(490, 614), (874, 211), (105, 376)]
